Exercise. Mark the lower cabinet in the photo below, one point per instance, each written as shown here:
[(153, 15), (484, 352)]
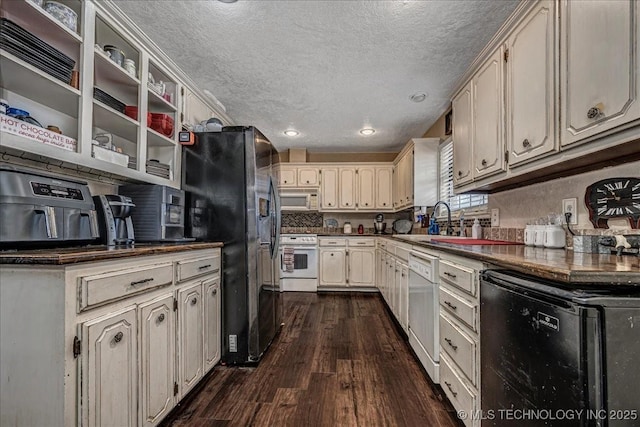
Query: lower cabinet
[(190, 338), (157, 357), (125, 359), (347, 262), (109, 370)]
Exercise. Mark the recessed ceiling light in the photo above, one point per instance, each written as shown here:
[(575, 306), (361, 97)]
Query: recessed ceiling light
[(367, 131), (418, 97), (228, 1), (291, 132)]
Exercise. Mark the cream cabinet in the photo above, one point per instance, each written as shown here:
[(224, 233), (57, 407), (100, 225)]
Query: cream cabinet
[(190, 338), (347, 189), (404, 178), (462, 136), (296, 175), (109, 370), (287, 176), (195, 110), (122, 358), (600, 67), (531, 86), (156, 395), (383, 188), (366, 192), (212, 331), (488, 120), (333, 271), (329, 188), (361, 262)]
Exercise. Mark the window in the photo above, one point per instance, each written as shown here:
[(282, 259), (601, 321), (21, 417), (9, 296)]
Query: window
[(456, 202)]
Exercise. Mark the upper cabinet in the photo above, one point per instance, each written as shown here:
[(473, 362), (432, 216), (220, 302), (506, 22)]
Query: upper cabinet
[(599, 66), (531, 86), (111, 101), (298, 176), (558, 82), (347, 188), (383, 187), (329, 188), (488, 120)]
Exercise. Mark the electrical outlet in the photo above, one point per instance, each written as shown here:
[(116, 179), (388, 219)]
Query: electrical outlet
[(495, 217), (570, 206)]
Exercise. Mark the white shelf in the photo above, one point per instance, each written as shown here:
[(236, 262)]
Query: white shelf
[(34, 15), (158, 104), (105, 117), (108, 71), (33, 83), (17, 145), (156, 139)]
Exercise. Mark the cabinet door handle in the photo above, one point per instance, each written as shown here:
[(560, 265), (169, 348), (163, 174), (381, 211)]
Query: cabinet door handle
[(214, 291), (526, 143), (453, 307), (459, 173), (161, 318), (194, 301), (384, 204), (346, 204), (594, 112), (331, 254), (483, 162), (454, 347), (450, 389), (453, 276), (307, 181), (141, 282), (118, 337)]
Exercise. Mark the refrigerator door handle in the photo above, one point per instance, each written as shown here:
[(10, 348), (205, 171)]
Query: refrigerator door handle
[(275, 235)]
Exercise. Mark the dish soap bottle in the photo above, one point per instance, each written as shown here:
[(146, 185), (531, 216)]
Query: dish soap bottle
[(476, 229)]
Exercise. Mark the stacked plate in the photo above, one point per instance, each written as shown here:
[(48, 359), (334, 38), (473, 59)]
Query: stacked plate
[(29, 48), (154, 167), (108, 100)]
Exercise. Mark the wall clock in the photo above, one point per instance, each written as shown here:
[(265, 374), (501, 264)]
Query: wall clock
[(613, 198)]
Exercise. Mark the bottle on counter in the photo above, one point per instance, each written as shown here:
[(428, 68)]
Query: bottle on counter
[(360, 229), (476, 229)]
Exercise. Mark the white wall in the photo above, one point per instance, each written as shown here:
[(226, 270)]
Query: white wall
[(520, 205)]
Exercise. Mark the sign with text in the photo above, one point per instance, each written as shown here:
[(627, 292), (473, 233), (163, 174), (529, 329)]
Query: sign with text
[(36, 133)]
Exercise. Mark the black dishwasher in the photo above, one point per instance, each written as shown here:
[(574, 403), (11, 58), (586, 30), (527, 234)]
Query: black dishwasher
[(556, 356)]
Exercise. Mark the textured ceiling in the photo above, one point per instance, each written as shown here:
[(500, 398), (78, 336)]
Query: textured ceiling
[(325, 68)]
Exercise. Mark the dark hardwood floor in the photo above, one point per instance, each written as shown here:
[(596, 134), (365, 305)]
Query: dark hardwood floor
[(338, 361)]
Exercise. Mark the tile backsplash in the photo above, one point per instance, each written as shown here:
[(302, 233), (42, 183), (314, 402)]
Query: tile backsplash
[(301, 219)]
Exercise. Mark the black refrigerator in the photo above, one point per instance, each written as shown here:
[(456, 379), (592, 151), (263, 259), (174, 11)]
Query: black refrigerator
[(232, 197)]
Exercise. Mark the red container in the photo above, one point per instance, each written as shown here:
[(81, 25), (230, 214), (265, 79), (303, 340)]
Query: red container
[(162, 123), (132, 111)]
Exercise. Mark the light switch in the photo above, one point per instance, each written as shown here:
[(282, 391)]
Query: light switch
[(495, 217)]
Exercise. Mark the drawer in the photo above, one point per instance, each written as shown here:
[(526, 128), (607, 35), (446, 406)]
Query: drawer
[(362, 242), (403, 253), (459, 346), (323, 241), (462, 397), (456, 305), (459, 276), (195, 267), (102, 288)]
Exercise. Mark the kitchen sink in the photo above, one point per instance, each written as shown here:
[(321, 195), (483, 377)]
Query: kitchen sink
[(466, 241)]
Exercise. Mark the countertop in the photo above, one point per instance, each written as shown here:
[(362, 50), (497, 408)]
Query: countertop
[(554, 264), (73, 255)]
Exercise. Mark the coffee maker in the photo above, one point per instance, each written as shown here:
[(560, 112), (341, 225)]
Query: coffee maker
[(379, 225), (114, 217)]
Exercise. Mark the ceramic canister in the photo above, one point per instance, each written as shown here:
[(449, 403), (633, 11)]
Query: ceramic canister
[(554, 236), (538, 231)]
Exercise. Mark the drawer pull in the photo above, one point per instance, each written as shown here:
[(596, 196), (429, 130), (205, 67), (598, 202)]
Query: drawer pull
[(203, 267), (453, 307), (142, 282), (453, 276), (450, 389), (118, 337), (161, 318), (194, 301), (454, 347)]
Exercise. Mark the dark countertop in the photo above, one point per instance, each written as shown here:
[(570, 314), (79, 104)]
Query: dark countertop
[(73, 255), (554, 264)]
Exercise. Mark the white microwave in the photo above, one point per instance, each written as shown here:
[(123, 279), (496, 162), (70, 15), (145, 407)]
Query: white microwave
[(299, 200)]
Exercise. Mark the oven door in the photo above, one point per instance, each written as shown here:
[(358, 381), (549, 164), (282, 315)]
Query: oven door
[(305, 263)]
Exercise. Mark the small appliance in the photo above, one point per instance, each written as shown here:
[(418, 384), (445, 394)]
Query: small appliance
[(159, 212), (42, 210), (299, 200), (379, 225), (114, 217)]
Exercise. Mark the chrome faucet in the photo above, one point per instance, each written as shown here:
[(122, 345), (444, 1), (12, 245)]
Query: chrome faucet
[(449, 231)]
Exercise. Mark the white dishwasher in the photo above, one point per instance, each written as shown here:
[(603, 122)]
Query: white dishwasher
[(424, 311)]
